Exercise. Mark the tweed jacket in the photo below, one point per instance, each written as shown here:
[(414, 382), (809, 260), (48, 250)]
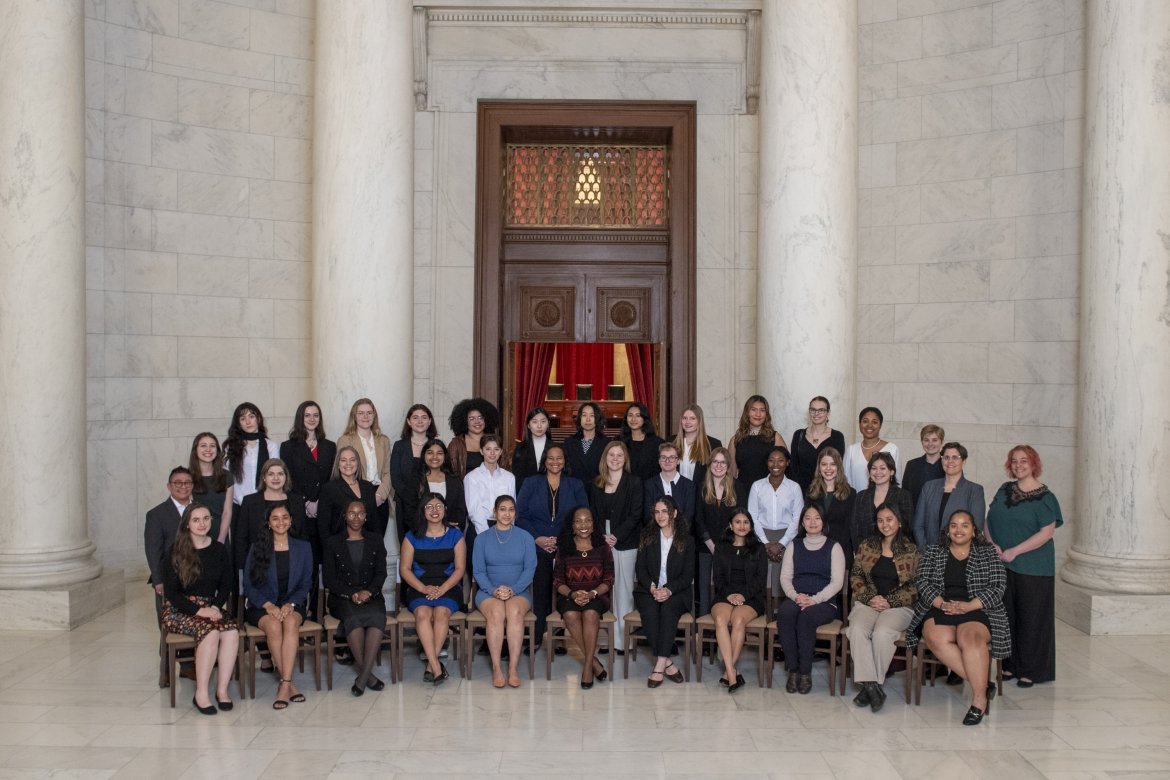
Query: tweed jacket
[(986, 581), (861, 578)]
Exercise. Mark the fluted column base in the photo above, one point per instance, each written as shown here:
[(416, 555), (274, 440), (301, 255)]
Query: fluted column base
[(63, 607)]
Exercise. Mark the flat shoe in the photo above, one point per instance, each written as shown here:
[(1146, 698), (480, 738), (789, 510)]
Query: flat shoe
[(428, 677), (677, 677), (514, 682), (723, 682), (498, 682), (208, 710), (804, 684), (442, 676), (224, 706), (1022, 683), (374, 684), (651, 682), (356, 691), (877, 697), (735, 686), (973, 717), (863, 698)]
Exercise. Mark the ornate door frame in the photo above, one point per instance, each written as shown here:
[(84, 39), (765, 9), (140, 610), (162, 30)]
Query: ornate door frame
[(613, 257)]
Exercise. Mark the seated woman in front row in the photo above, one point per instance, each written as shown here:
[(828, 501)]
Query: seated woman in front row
[(739, 571), (433, 559), (277, 576), (583, 576), (504, 563), (664, 574), (961, 581), (198, 580), (812, 575), (884, 595), (353, 567)]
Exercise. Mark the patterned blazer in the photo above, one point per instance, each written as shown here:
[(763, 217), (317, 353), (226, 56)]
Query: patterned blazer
[(861, 578), (986, 581)]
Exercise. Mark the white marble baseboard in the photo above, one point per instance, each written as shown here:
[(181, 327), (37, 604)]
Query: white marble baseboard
[(63, 608), (1098, 612)]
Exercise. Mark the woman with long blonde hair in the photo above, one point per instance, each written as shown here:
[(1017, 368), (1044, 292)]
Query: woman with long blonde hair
[(364, 434)]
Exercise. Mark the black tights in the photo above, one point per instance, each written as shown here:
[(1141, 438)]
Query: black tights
[(364, 644)]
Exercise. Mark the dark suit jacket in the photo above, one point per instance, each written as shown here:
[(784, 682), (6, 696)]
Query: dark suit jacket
[(701, 468), (300, 577), (344, 579), (335, 497), (864, 522), (626, 517), (839, 523), (307, 474), (643, 456), (162, 525), (917, 473), (711, 519), (680, 569), (584, 465), (682, 491), (456, 502), (966, 495), (250, 518), (757, 573), (523, 464), (533, 501)]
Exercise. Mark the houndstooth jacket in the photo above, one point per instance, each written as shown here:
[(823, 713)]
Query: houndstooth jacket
[(986, 581)]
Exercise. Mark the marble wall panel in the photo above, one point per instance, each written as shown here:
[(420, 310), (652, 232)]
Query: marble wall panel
[(187, 58), (281, 33), (279, 279), (876, 82), (152, 272), (294, 75), (210, 356), (895, 205), (279, 358), (962, 70), (1035, 277), (212, 235), (921, 7), (1028, 102), (959, 30), (956, 113), (960, 402), (1042, 56), (954, 362), (980, 320), (290, 240), (955, 201), (176, 315), (956, 241), (875, 324), (1053, 319), (1020, 20), (128, 46), (1048, 234), (887, 363), (966, 281), (1042, 148), (279, 200), (294, 159), (1047, 405), (205, 150), (899, 119), (139, 185), (128, 139), (156, 16), (208, 193), (212, 22), (877, 246), (877, 165), (1035, 362), (112, 500), (213, 398), (896, 40), (150, 95), (205, 103), (276, 114), (291, 319), (1033, 193), (957, 157), (887, 284), (210, 275)]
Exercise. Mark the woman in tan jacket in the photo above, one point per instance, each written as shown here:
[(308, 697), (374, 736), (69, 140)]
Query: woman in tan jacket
[(363, 433)]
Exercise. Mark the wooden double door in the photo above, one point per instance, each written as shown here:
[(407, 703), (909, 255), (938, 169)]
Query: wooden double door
[(632, 283)]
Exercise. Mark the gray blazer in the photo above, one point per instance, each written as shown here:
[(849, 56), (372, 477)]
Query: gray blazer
[(966, 495)]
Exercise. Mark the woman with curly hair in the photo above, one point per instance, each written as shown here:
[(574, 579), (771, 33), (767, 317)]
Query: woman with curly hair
[(246, 448), (754, 438), (198, 580), (470, 420)]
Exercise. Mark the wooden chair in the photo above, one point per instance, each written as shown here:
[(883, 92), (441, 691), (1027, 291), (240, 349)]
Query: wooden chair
[(170, 645), (331, 625), (757, 637), (405, 621), (557, 635), (686, 633), (476, 620), (901, 653), (923, 657), (311, 635), (829, 634)]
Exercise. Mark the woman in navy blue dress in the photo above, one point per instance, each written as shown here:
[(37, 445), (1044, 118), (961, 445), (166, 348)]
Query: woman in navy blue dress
[(433, 559)]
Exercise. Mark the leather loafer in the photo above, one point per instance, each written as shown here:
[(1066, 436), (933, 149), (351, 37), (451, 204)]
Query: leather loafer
[(862, 699), (790, 686), (973, 717), (877, 697), (735, 686), (804, 684)]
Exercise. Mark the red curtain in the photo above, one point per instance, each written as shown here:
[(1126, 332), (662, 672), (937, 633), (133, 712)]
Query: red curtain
[(533, 366), (590, 364), (641, 360)]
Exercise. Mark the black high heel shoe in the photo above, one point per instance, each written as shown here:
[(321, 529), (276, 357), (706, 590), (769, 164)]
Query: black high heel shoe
[(600, 676)]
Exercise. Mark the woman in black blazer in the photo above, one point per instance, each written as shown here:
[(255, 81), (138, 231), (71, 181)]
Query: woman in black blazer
[(253, 510), (406, 459), (739, 578), (345, 486), (435, 476), (615, 498), (529, 453), (663, 590), (354, 571), (309, 455), (833, 495), (583, 448), (695, 447), (717, 498), (640, 439)]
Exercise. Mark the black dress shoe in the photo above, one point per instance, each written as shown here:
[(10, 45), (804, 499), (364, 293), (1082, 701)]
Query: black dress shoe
[(224, 706), (877, 697), (209, 710), (586, 685), (804, 684), (1021, 683), (974, 716), (954, 679), (374, 684), (863, 697), (561, 650), (735, 686), (356, 690), (790, 686), (991, 690)]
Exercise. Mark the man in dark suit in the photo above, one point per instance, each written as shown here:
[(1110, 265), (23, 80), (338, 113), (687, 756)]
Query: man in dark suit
[(669, 482), (162, 525)]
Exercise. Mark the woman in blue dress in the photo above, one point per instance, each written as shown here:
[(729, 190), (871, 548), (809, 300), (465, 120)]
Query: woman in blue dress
[(504, 563), (433, 559)]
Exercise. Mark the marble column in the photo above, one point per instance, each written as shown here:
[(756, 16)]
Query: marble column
[(1121, 526), (807, 208), (363, 210), (44, 535)]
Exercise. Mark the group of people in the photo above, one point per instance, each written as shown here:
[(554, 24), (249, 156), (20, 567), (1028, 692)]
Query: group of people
[(594, 524)]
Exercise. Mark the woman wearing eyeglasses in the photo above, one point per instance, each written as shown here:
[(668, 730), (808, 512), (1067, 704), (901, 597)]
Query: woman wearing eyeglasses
[(809, 442)]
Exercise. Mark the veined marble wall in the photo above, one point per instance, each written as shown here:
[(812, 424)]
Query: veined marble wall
[(198, 124), (970, 186)]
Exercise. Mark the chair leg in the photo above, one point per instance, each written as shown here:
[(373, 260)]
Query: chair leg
[(330, 648), (174, 678), (626, 647)]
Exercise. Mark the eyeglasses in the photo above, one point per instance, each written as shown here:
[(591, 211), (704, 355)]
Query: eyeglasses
[(182, 483), (433, 507), (811, 410), (668, 458)]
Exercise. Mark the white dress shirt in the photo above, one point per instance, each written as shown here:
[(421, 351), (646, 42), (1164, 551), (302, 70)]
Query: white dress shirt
[(777, 509), (481, 488)]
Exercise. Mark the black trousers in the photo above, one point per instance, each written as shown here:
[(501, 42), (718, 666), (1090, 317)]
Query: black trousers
[(660, 619), (542, 591), (797, 630), (1030, 602)]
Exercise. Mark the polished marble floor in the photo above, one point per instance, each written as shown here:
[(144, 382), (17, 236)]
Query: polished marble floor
[(86, 704)]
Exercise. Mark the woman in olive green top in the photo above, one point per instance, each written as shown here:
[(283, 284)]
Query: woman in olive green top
[(1023, 517)]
